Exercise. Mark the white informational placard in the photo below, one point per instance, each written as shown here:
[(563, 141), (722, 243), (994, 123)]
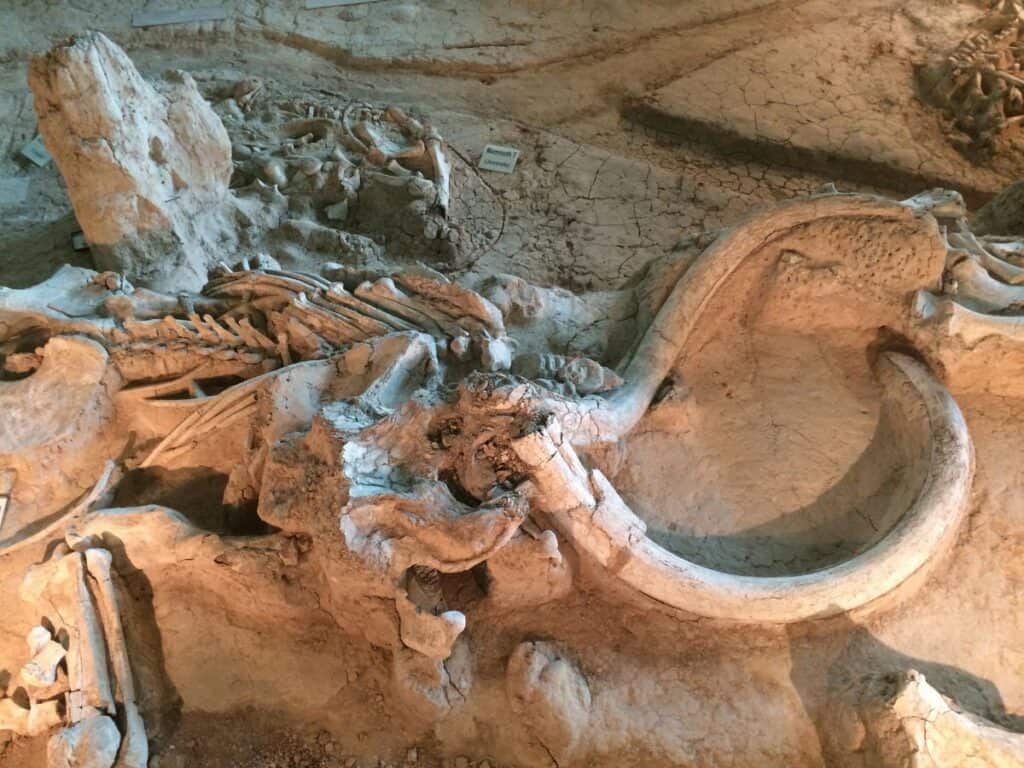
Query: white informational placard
[(499, 158), (78, 242), (13, 189), (179, 16), (35, 151)]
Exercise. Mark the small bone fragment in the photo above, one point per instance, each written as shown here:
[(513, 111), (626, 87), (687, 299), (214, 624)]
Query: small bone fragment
[(37, 638), (41, 670), (442, 169), (41, 717), (134, 751), (7, 478), (431, 635), (940, 203)]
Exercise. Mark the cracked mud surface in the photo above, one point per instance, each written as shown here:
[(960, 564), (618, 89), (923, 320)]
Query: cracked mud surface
[(636, 129)]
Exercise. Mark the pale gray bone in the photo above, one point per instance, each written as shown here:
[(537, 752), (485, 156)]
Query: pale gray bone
[(134, 751)]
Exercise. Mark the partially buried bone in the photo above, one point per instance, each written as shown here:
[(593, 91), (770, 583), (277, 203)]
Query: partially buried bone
[(581, 375), (61, 583), (975, 288), (551, 698), (956, 320), (134, 752), (41, 670), (966, 243), (908, 722), (89, 743), (38, 719)]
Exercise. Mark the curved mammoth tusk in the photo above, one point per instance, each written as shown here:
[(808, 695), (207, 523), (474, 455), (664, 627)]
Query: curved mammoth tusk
[(588, 511), (597, 419)]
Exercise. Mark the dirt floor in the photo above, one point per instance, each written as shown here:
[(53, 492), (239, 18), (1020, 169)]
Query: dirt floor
[(638, 125)]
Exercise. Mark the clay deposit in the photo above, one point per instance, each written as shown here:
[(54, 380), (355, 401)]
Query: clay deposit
[(688, 440)]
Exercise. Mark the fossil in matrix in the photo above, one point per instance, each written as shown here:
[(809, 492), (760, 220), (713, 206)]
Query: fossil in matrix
[(401, 450), (979, 83)]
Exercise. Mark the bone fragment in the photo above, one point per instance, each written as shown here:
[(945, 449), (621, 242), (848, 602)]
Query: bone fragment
[(976, 289), (90, 743), (39, 718), (913, 724)]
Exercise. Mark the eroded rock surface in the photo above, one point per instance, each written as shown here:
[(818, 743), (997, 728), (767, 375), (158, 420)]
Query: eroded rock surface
[(147, 166)]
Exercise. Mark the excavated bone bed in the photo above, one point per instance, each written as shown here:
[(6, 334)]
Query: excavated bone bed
[(781, 463)]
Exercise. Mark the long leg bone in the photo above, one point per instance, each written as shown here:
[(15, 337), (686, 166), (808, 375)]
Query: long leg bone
[(62, 580), (134, 752)]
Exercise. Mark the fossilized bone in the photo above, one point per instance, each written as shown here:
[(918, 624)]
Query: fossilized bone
[(41, 670), (433, 305), (37, 719), (420, 527), (579, 375), (587, 510), (965, 242), (908, 722), (62, 582), (550, 696), (134, 751), (978, 84), (75, 514), (40, 676), (976, 289), (957, 321), (599, 419), (940, 203)]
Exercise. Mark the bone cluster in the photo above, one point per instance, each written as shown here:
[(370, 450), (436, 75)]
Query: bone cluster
[(979, 84)]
